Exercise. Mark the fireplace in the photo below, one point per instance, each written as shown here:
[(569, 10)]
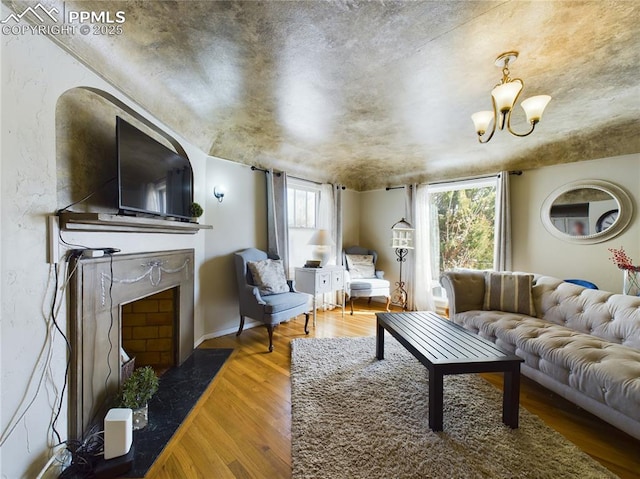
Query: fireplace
[(147, 330), (100, 289)]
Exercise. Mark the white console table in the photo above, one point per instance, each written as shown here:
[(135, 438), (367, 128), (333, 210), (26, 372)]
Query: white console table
[(315, 281)]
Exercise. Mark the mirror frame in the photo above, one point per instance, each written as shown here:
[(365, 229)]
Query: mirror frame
[(625, 211)]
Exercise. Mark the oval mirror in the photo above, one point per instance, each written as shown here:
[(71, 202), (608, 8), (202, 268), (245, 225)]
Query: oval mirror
[(587, 212)]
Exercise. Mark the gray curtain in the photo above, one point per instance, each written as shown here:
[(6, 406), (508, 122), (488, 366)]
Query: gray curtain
[(277, 216), (502, 241), (337, 203)]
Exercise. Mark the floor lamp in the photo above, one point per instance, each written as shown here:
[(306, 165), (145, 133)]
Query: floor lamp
[(402, 242)]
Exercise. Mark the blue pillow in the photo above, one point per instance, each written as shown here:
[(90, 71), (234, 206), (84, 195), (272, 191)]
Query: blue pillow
[(582, 282)]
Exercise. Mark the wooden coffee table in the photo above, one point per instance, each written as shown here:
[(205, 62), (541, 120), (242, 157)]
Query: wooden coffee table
[(447, 348)]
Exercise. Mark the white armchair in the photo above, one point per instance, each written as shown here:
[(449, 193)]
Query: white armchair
[(362, 280)]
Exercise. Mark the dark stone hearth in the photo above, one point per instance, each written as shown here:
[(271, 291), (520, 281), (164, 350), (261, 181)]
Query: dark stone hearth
[(180, 389)]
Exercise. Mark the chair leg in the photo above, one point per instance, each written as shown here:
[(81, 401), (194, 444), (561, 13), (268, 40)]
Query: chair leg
[(351, 303), (241, 326), (270, 330), (306, 323), (369, 301), (388, 303)]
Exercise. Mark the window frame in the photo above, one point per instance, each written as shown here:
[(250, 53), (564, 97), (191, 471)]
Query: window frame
[(307, 187), (439, 293)]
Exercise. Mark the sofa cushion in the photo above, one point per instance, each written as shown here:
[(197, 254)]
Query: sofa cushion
[(510, 292), (606, 372), (613, 317), (268, 276), (361, 265)]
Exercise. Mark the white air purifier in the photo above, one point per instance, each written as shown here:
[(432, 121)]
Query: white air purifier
[(118, 432)]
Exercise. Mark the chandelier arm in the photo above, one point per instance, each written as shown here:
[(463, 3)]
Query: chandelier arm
[(533, 126), (495, 121), (515, 100)]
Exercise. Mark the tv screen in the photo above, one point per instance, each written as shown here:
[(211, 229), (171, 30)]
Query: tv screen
[(152, 179)]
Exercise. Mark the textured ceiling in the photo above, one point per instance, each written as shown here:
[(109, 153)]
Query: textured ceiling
[(371, 94)]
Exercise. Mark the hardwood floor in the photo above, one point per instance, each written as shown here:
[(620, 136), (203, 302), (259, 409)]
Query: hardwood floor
[(241, 427)]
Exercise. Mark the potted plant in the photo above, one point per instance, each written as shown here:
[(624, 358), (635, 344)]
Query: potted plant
[(136, 392), (196, 211)]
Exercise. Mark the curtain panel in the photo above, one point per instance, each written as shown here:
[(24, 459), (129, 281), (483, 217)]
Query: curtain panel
[(502, 241), (277, 217), (418, 277)]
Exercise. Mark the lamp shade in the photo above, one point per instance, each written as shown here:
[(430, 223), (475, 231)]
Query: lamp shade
[(534, 106), (321, 238), (482, 120), (505, 95)]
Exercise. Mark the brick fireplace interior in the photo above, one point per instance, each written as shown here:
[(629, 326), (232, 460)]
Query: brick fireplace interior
[(148, 326)]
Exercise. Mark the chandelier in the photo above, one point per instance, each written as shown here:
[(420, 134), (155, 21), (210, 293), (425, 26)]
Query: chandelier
[(504, 97)]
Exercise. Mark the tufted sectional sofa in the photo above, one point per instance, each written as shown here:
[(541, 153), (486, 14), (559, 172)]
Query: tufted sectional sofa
[(583, 344)]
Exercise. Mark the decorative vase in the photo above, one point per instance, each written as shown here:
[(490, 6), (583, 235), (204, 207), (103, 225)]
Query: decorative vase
[(631, 284), (140, 417)]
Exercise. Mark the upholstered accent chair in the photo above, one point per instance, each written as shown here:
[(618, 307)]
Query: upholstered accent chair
[(362, 280), (270, 309)]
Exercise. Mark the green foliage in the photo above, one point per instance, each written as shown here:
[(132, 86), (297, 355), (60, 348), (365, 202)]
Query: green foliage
[(139, 388), (466, 227), (196, 210)]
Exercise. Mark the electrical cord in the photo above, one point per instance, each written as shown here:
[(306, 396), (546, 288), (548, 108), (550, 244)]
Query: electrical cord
[(54, 317), (106, 381), (84, 456), (46, 353), (88, 196)]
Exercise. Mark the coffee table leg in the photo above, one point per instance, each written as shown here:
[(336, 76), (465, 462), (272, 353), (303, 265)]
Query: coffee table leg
[(379, 340), (511, 397), (436, 384)]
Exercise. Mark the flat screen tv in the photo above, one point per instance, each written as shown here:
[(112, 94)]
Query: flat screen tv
[(152, 179)]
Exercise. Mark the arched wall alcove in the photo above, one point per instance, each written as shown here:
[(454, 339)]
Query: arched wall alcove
[(86, 147)]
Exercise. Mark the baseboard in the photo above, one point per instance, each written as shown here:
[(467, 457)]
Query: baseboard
[(224, 332)]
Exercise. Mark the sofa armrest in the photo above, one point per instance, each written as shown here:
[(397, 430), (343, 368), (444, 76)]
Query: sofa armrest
[(465, 290)]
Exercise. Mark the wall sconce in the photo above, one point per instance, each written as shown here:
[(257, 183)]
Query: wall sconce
[(218, 192)]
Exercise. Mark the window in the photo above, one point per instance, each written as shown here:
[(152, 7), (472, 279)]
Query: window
[(303, 203), (462, 226)]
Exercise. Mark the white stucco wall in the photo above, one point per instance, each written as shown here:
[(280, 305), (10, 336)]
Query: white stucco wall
[(379, 210), (350, 217), (536, 250), (34, 74), (239, 222)]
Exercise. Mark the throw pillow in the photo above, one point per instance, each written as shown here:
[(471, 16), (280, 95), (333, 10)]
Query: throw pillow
[(268, 276), (510, 292), (361, 266)]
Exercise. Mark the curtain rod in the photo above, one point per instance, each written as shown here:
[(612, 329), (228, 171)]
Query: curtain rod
[(514, 172), (315, 182), (255, 168), (277, 173)]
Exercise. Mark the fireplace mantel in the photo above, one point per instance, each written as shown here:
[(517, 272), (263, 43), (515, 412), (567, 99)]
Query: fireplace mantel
[(126, 224), (98, 288)]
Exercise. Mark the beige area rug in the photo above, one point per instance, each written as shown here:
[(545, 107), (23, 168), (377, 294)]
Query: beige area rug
[(356, 417)]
